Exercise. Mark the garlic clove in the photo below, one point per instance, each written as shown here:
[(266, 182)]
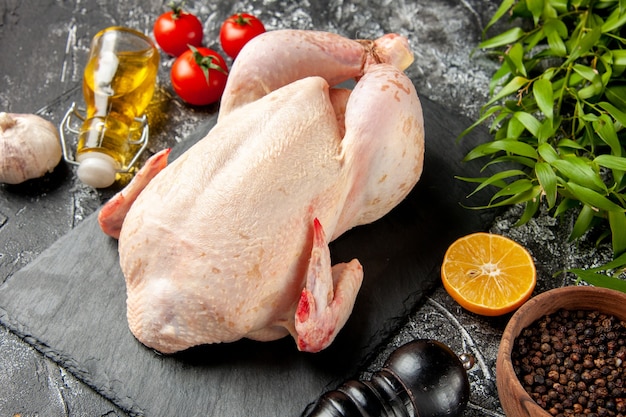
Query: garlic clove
[(29, 147)]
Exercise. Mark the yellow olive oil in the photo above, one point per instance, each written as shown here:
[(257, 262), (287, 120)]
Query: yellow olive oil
[(118, 84)]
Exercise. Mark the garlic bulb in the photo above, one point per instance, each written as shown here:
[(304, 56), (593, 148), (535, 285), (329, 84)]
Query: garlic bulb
[(29, 147)]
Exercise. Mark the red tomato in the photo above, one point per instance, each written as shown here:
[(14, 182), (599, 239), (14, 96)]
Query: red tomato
[(237, 30), (176, 29), (199, 76)]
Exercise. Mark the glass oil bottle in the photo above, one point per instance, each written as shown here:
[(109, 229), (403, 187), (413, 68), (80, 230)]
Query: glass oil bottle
[(118, 84)]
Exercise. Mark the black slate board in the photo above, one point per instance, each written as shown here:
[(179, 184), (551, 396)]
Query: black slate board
[(70, 304)]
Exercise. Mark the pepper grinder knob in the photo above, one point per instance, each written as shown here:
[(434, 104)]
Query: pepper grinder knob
[(422, 378)]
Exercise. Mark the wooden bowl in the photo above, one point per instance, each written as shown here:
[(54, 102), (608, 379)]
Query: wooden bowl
[(514, 399)]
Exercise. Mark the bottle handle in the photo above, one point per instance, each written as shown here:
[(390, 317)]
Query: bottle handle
[(66, 126)]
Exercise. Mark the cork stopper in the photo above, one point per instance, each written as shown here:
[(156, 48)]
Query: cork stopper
[(97, 169)]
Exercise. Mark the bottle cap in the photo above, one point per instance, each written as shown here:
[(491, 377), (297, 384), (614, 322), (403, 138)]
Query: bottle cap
[(96, 169)]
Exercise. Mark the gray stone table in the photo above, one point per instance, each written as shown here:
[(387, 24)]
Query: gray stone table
[(44, 45)]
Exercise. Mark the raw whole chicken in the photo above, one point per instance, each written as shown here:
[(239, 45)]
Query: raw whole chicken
[(231, 239)]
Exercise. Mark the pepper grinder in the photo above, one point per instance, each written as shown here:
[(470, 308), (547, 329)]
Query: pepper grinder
[(422, 378)]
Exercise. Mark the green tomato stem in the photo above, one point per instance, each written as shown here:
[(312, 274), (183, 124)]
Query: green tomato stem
[(206, 63)]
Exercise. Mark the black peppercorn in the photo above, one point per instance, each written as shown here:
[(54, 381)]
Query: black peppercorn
[(571, 363)]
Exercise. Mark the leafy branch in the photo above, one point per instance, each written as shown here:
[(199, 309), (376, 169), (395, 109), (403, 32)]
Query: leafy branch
[(557, 111)]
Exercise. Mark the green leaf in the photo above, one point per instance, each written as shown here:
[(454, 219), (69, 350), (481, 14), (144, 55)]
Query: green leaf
[(532, 206), (547, 152), (517, 187), (550, 73), (513, 103), (533, 38), (565, 205), (618, 181), (611, 161), (593, 77), (616, 113), (506, 38), (500, 122), (616, 94), (528, 121), (505, 6), (588, 136), (586, 72), (605, 128), (618, 56), (575, 79), (547, 130), (568, 143), (515, 199), (583, 222), (595, 277), (519, 194), (578, 171), (599, 280), (583, 44), (542, 90), (616, 263), (559, 5), (617, 222), (521, 10), (556, 25), (514, 128), (486, 115), (579, 3), (615, 20), (511, 87), (616, 163), (536, 8), (607, 75), (549, 12), (585, 117), (511, 146), (500, 76), (547, 179), (595, 19), (515, 55), (592, 198), (556, 44), (512, 159), (477, 180), (498, 178)]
